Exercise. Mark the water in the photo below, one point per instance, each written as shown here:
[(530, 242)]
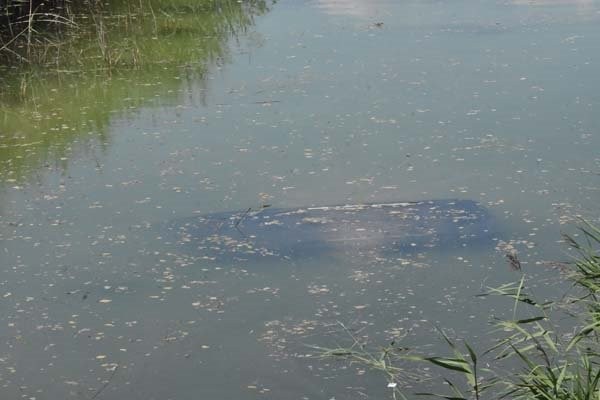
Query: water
[(305, 103)]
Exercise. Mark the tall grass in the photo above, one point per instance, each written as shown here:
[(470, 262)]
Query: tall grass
[(114, 58), (536, 355), (49, 32), (385, 360), (25, 25)]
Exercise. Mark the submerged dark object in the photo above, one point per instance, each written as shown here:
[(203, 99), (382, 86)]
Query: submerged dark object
[(382, 228)]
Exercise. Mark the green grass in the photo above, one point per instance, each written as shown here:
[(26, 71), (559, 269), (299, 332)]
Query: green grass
[(535, 357), (108, 62), (385, 360)]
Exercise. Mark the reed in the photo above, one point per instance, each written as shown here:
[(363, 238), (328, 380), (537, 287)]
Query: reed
[(47, 33), (110, 62), (386, 360), (26, 25), (536, 356)]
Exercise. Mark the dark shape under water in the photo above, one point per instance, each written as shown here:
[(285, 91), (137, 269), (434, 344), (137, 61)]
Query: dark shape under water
[(380, 228)]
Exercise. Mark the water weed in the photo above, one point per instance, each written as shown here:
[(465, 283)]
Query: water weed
[(535, 356)]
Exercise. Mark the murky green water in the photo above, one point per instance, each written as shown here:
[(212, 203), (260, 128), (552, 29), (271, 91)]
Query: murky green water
[(296, 104)]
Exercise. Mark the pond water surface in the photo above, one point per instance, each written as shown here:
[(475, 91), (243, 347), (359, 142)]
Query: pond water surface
[(303, 104)]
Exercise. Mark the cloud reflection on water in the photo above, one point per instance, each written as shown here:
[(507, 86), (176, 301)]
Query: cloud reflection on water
[(354, 8)]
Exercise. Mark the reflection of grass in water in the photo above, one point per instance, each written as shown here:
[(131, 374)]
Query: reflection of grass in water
[(114, 31), (159, 32), (118, 58)]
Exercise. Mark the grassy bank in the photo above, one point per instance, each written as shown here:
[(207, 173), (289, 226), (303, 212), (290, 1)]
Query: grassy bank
[(26, 26), (110, 33), (61, 89)]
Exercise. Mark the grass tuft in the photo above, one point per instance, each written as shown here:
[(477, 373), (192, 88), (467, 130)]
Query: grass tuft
[(549, 365)]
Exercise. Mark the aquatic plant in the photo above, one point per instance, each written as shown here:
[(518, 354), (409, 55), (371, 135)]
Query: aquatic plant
[(535, 357), (111, 59), (25, 25), (48, 32), (386, 360)]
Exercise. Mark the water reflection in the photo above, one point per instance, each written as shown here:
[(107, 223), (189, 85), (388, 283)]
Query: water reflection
[(324, 113), (583, 9), (576, 3), (378, 229), (477, 17), (356, 8), (121, 60)]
